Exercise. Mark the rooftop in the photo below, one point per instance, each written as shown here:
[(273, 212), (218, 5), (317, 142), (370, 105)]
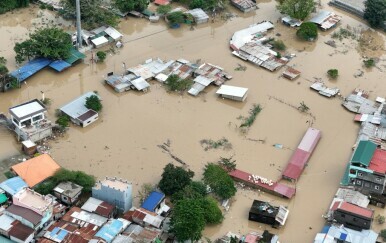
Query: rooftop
[(353, 197), (68, 189), (25, 213), (27, 109), (20, 231), (76, 233), (232, 90), (111, 229), (264, 208), (33, 200), (99, 207), (77, 108), (6, 222), (115, 183), (13, 185), (153, 200), (338, 204), (331, 234), (364, 153), (243, 36), (378, 162), (80, 217), (36, 170)]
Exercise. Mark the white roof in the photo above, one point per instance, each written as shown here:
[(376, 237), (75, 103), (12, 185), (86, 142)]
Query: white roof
[(6, 222), (198, 13), (25, 110), (89, 218), (322, 16), (232, 91), (203, 80), (161, 77), (100, 40), (243, 36), (141, 71), (140, 83), (28, 143), (77, 107), (91, 204), (113, 33)]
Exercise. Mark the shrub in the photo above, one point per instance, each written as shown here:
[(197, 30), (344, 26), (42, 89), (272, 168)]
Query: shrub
[(177, 17), (175, 83), (63, 121), (164, 9), (101, 56), (383, 234), (333, 73), (369, 63), (380, 219), (94, 103), (307, 31), (252, 116), (279, 45)]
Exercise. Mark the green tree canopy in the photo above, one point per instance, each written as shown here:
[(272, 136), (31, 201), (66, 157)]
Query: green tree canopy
[(130, 5), (298, 9), (219, 181), (93, 102), (164, 9), (7, 5), (174, 179), (307, 31), (52, 43), (195, 190), (187, 220), (212, 213), (375, 12), (92, 15)]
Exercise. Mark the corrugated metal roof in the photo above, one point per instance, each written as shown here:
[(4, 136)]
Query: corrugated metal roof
[(348, 207), (364, 153), (25, 213), (140, 83), (320, 17), (111, 229), (30, 68), (378, 161), (99, 207), (13, 185), (153, 200), (59, 65), (20, 231), (6, 222)]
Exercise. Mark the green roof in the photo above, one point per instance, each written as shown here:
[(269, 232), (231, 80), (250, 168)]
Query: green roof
[(364, 153), (147, 12), (3, 198), (345, 180), (74, 56)]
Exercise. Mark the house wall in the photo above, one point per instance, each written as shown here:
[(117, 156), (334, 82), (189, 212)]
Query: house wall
[(21, 219), (235, 97), (90, 120), (29, 239), (261, 218), (351, 220), (121, 199)]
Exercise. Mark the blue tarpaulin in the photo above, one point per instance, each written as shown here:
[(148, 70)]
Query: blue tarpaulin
[(30, 68), (59, 65)]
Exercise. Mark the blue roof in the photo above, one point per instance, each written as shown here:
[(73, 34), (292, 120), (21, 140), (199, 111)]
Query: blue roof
[(152, 201), (59, 65), (325, 229), (110, 230), (30, 68), (13, 185)]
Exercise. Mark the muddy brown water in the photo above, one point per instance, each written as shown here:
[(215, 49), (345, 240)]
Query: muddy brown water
[(123, 142)]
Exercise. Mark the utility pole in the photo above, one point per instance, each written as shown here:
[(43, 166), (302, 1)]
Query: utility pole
[(78, 26)]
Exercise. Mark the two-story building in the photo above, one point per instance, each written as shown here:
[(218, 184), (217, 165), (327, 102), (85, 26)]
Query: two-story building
[(15, 230), (30, 121), (265, 213), (31, 209), (68, 192), (115, 191)]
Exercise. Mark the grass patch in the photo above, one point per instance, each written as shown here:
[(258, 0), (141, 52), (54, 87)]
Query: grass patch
[(343, 33), (248, 121), (369, 63), (208, 144)]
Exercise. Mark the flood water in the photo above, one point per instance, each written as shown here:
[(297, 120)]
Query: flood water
[(123, 142)]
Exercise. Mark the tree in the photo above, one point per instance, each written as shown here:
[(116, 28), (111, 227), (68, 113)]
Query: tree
[(187, 220), (101, 56), (52, 43), (212, 213), (229, 164), (94, 103), (375, 12), (175, 83), (174, 179), (195, 190), (63, 121), (219, 181), (7, 5), (333, 73), (164, 9), (130, 5), (92, 15), (176, 17), (298, 9), (307, 31), (383, 234)]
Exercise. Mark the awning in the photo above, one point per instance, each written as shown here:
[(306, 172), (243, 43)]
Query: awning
[(3, 198)]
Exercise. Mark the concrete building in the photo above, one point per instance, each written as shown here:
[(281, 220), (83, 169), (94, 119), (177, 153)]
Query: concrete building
[(115, 191), (265, 213), (30, 121), (78, 112), (68, 192)]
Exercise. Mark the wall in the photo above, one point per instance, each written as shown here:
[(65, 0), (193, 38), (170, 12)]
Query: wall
[(122, 200), (351, 221)]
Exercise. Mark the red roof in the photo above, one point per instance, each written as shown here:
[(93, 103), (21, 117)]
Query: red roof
[(280, 189), (20, 231), (378, 162), (348, 207), (161, 2), (296, 164)]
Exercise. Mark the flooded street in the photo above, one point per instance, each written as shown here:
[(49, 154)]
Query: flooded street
[(123, 142)]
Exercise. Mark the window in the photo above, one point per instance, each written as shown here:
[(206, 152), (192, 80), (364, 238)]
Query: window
[(378, 179), (342, 215), (359, 182), (376, 187), (15, 121), (367, 184), (26, 123), (37, 118), (360, 174)]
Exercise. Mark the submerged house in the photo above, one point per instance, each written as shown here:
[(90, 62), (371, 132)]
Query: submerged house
[(333, 233), (326, 19), (99, 37), (78, 112), (291, 22), (244, 5), (232, 92), (199, 15), (30, 121), (265, 213)]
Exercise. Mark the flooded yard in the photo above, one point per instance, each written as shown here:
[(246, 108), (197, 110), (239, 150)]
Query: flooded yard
[(123, 142)]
